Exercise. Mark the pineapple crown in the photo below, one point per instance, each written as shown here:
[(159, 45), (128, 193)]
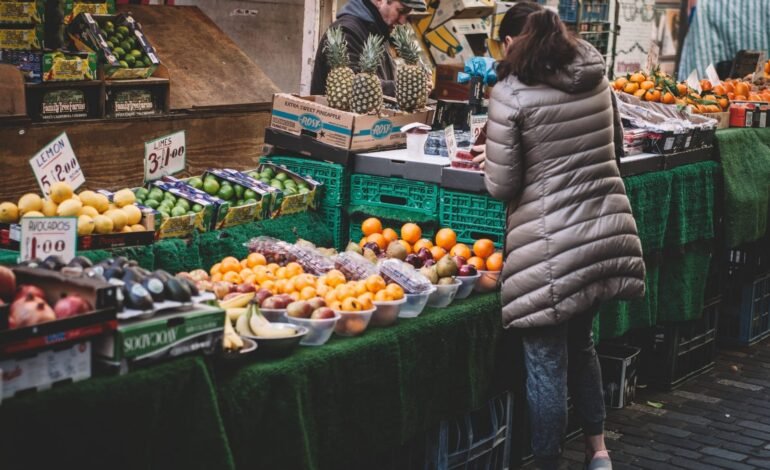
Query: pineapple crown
[(405, 44), (336, 48), (371, 54)]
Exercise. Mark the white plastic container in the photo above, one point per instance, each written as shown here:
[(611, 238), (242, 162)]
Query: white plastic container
[(277, 315), (415, 303), (319, 331), (468, 283), (444, 295), (352, 323), (386, 312)]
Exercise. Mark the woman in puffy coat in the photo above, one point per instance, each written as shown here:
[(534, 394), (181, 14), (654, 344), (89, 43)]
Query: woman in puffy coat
[(571, 241)]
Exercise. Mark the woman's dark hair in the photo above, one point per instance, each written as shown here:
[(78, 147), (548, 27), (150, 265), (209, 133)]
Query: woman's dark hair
[(515, 18), (543, 47)]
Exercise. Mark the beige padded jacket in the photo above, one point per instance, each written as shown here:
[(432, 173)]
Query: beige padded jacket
[(571, 240)]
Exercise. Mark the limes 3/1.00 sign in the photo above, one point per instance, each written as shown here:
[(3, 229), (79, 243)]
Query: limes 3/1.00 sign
[(164, 156)]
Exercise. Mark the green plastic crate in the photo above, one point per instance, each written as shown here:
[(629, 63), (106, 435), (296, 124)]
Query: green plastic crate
[(335, 177), (473, 216), (395, 193), (428, 229), (337, 220)]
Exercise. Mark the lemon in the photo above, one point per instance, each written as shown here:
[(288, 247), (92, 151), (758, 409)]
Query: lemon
[(133, 213), (124, 197), (89, 211), (60, 192), (102, 224), (88, 198), (119, 219), (86, 225), (9, 213), (33, 214), (69, 208), (101, 203), (126, 229), (49, 208), (138, 228), (111, 206), (30, 202)]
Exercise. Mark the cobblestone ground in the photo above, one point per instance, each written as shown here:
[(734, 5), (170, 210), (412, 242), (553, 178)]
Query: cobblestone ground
[(719, 420)]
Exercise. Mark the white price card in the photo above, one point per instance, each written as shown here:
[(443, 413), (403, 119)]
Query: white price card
[(45, 236), (164, 156), (451, 142), (57, 162), (478, 121), (713, 76), (692, 81)]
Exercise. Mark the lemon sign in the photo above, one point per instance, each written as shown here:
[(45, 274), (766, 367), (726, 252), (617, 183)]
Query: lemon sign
[(164, 156), (56, 163)]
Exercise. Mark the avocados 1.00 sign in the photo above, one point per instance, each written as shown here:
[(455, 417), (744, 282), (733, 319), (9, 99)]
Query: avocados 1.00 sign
[(164, 156)]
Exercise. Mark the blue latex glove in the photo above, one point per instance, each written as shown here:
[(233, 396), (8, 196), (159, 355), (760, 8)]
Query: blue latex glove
[(483, 67)]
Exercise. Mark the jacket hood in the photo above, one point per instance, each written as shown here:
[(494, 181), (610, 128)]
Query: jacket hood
[(359, 9), (583, 74)]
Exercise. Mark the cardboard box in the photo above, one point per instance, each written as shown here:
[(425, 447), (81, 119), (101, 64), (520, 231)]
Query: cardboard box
[(723, 119), (66, 66), (284, 204), (72, 8), (310, 116), (236, 215), (21, 37), (29, 12), (214, 210), (463, 180), (458, 40), (45, 369), (397, 163), (28, 62), (139, 342), (742, 114), (452, 9)]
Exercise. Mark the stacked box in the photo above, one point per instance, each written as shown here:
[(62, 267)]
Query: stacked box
[(21, 36)]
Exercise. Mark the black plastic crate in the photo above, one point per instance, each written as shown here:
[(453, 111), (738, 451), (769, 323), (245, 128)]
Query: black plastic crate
[(746, 317), (479, 439), (747, 261), (619, 373), (674, 353)]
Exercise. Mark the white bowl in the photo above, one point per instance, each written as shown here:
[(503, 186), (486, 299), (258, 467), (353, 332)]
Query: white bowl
[(415, 303), (386, 312), (352, 323), (468, 283), (319, 330), (444, 295), (487, 282)]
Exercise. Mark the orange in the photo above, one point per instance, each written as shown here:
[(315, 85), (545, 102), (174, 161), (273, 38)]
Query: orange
[(406, 246), (246, 272), (232, 276), (382, 296), (230, 264), (620, 83), (371, 225), (640, 93), (273, 267), (706, 85), (375, 283), (477, 262), (395, 291), (351, 304), (361, 288), (647, 85), (251, 279), (719, 90), (289, 287), (334, 278), (495, 262), (668, 98), (742, 89), (280, 285), (483, 247), (216, 277), (411, 232), (294, 296), (362, 242), (307, 293), (282, 273), (269, 285), (437, 252), (256, 259), (652, 95), (631, 88), (322, 289), (294, 269), (330, 297), (379, 239), (215, 269), (637, 78), (344, 292), (461, 249), (243, 263), (390, 235), (729, 87), (446, 238), (423, 243), (366, 301)]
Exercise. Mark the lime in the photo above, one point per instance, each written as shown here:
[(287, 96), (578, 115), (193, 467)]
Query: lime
[(266, 175), (303, 184), (265, 180), (196, 208), (156, 194), (249, 194), (253, 174), (290, 183), (122, 29), (269, 171), (239, 190), (164, 214), (136, 54), (238, 203), (281, 176), (225, 192), (109, 26), (169, 197), (138, 64), (118, 37), (195, 182), (125, 45), (250, 201), (110, 45), (277, 184), (123, 64), (152, 203), (178, 211), (183, 203), (130, 60), (210, 186), (289, 191), (131, 42), (141, 193), (303, 190), (119, 52)]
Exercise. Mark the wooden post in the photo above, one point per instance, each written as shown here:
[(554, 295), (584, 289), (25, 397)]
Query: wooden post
[(319, 14)]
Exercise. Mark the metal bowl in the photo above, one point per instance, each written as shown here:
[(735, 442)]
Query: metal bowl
[(274, 347), (248, 349)]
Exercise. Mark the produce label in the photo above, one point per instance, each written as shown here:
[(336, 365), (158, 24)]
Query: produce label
[(57, 162), (45, 236), (451, 143), (21, 12), (164, 156), (21, 38), (130, 103), (63, 104)]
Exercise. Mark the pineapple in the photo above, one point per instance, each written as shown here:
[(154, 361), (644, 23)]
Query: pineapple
[(339, 82), (411, 82), (367, 89)]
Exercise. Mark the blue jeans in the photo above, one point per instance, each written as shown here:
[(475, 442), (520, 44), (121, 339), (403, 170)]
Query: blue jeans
[(557, 359)]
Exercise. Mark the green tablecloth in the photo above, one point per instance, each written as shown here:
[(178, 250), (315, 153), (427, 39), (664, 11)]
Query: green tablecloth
[(745, 156)]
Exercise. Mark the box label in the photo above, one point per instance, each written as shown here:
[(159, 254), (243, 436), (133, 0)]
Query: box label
[(57, 162), (21, 38), (64, 104), (164, 156), (157, 337), (45, 236)]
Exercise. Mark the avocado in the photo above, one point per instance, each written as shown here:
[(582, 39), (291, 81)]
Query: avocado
[(155, 287), (176, 290), (191, 286), (136, 297)]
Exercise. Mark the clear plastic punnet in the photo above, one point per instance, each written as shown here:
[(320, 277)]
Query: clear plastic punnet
[(274, 250), (354, 266), (310, 259), (404, 274)]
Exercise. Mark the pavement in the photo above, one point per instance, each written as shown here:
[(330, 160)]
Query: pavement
[(718, 420)]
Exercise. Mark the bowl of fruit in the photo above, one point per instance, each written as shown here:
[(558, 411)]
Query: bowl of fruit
[(386, 312), (468, 275), (273, 339), (314, 315), (445, 293), (415, 303), (353, 319)]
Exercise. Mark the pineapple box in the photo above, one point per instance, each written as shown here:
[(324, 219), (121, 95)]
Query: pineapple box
[(458, 40), (72, 8), (59, 66), (29, 12), (452, 9), (310, 117), (21, 37)]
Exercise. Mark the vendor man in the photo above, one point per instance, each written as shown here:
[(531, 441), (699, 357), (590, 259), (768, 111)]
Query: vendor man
[(358, 19)]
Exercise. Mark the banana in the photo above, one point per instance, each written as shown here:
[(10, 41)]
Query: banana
[(263, 328), (242, 325), (238, 301), (271, 332), (234, 313)]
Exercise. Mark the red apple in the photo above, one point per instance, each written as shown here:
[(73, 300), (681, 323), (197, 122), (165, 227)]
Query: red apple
[(246, 287), (7, 284), (459, 261), (29, 289), (322, 313)]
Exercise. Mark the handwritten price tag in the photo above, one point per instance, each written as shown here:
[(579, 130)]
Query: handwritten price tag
[(57, 162), (45, 236), (164, 156), (451, 143)]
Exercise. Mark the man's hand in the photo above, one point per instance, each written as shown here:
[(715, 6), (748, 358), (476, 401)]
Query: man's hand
[(482, 155)]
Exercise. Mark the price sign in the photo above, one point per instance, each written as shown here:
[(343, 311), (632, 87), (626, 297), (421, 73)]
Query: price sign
[(164, 156), (692, 81), (713, 76), (451, 143), (57, 162), (653, 56), (45, 236), (478, 121)]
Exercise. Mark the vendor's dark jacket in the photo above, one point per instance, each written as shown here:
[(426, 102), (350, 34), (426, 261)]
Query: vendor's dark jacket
[(358, 19)]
